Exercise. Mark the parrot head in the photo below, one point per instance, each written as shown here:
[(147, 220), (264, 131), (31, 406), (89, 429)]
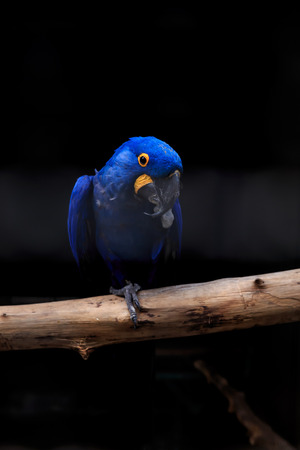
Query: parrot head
[(153, 170)]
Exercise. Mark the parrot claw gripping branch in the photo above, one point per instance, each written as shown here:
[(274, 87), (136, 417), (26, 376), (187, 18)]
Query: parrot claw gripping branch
[(130, 293), (129, 214)]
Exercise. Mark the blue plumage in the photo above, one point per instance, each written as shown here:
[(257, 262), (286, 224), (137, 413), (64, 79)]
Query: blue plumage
[(129, 212)]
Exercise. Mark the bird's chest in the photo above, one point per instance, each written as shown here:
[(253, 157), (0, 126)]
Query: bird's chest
[(124, 230)]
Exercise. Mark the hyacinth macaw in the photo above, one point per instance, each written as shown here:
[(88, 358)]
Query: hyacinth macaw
[(129, 214)]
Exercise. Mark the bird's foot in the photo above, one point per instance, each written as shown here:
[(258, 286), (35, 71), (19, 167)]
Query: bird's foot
[(129, 292)]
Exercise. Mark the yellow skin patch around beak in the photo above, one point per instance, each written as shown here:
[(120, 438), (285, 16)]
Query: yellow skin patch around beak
[(142, 181), (175, 173)]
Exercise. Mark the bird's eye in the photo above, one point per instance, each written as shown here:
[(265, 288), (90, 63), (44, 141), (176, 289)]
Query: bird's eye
[(143, 159)]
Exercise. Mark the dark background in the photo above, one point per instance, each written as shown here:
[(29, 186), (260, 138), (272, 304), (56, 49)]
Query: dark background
[(221, 85)]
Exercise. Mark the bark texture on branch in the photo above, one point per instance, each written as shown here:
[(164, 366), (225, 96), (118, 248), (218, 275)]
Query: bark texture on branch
[(176, 311), (260, 433)]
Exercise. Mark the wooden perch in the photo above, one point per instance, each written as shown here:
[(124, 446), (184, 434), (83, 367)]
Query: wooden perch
[(260, 433), (169, 312)]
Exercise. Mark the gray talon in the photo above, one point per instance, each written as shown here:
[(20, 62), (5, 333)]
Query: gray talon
[(129, 293)]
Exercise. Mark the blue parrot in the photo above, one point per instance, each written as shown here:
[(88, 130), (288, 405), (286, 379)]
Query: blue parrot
[(129, 214)]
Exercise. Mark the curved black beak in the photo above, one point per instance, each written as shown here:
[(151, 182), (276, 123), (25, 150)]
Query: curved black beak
[(162, 193)]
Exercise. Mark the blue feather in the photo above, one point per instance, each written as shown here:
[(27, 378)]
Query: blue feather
[(81, 224), (108, 219)]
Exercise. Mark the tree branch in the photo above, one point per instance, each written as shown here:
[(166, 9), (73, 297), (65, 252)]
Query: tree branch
[(260, 433), (170, 312)]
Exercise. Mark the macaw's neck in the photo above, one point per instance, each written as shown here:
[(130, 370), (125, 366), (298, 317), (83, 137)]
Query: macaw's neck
[(112, 184)]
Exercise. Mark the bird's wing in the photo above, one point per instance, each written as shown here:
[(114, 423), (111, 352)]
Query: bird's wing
[(81, 222)]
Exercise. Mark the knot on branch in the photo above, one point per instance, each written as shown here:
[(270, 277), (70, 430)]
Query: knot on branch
[(259, 282), (82, 347)]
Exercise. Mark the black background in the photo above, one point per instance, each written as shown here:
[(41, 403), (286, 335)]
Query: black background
[(221, 85)]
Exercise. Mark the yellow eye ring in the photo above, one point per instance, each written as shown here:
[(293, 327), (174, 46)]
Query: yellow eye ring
[(143, 159)]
